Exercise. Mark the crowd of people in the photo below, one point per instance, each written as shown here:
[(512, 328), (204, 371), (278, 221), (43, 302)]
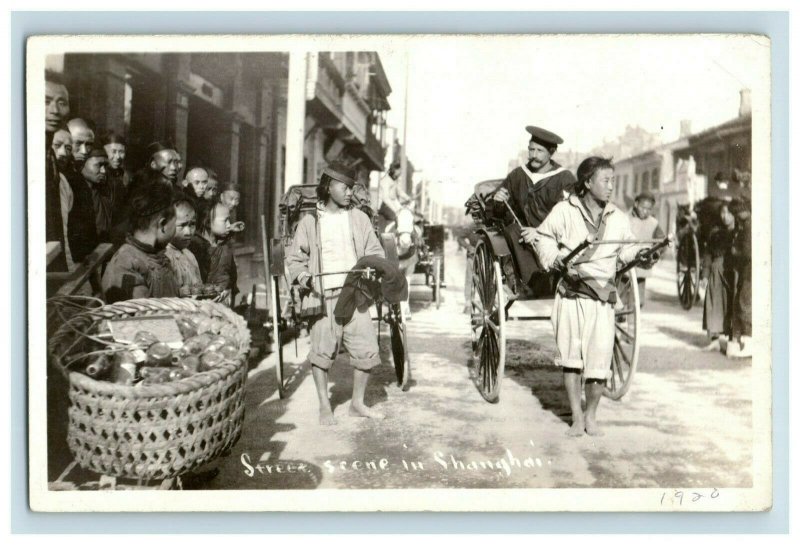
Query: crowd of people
[(172, 236)]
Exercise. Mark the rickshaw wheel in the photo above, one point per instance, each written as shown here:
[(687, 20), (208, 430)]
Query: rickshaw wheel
[(277, 341), (627, 325), (488, 323), (399, 345), (688, 270), (437, 281)]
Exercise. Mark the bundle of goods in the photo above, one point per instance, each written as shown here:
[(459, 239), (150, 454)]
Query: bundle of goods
[(156, 386)]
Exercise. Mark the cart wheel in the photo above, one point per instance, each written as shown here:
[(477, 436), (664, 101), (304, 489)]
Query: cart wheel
[(626, 340), (488, 322), (437, 281), (688, 270), (277, 341), (399, 344)]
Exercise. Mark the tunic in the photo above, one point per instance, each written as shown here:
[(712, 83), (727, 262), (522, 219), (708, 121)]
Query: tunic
[(216, 263), (647, 228), (185, 267), (718, 303), (583, 311), (531, 195), (138, 264), (742, 319)]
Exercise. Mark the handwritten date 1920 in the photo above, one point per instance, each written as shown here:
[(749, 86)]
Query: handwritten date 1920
[(687, 497)]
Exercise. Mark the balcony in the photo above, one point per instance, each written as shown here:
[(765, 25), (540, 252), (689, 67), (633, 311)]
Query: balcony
[(373, 152)]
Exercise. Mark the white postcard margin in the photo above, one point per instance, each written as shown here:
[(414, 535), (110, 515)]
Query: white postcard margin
[(757, 498)]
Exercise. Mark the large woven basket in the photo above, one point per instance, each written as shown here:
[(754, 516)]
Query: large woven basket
[(156, 431)]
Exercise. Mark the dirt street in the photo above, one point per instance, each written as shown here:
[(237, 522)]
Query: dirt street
[(686, 421)]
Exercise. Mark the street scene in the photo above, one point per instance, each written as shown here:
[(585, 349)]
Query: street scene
[(401, 266), (653, 437)]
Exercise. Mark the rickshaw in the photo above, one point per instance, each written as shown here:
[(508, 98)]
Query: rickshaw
[(283, 316), (420, 245), (693, 225), (496, 286)]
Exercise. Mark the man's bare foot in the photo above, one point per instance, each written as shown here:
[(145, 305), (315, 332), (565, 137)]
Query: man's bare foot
[(365, 412), (592, 428), (326, 417), (576, 430)]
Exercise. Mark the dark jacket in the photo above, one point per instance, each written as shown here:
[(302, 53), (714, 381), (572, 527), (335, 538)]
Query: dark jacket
[(54, 229), (81, 225), (531, 202), (216, 263)]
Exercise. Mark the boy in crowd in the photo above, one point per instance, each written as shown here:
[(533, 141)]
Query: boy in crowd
[(229, 196), (184, 264), (195, 183), (583, 312), (644, 226), (213, 250), (140, 268), (334, 242), (212, 186)]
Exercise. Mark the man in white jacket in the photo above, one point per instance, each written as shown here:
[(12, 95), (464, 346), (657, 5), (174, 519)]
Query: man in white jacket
[(583, 312)]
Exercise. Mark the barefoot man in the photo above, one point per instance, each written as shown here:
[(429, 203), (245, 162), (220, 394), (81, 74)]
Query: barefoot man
[(333, 242), (583, 311)]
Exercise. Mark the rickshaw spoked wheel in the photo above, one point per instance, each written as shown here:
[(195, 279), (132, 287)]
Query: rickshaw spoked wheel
[(627, 325), (487, 322), (688, 270), (399, 345)]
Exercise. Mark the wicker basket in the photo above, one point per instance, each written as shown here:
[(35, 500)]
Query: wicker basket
[(157, 431)]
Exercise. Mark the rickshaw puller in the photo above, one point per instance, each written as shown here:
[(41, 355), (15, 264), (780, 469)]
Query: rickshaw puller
[(583, 315), (333, 242)]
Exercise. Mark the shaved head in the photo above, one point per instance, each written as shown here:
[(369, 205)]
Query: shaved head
[(197, 178), (82, 139)]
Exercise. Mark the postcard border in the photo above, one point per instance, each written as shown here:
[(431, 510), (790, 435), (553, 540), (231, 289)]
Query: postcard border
[(26, 24)]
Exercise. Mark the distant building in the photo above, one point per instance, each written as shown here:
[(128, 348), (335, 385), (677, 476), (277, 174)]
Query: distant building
[(682, 172)]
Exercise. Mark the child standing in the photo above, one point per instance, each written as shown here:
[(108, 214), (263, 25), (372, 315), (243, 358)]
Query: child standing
[(140, 268), (583, 312), (184, 264), (213, 249)]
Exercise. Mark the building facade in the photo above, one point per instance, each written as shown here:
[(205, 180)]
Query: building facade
[(228, 112), (221, 111)]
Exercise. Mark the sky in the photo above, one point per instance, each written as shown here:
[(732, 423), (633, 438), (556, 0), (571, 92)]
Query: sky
[(470, 99)]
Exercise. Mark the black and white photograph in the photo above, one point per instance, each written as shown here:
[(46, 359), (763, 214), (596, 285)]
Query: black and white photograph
[(399, 273)]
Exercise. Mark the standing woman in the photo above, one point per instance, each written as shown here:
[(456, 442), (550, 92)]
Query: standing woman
[(721, 279)]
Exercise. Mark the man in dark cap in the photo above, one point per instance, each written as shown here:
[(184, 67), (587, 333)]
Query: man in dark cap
[(165, 161), (332, 241), (644, 226), (531, 190)]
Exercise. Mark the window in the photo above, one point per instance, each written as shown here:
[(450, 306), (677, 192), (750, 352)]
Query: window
[(654, 180), (625, 184), (646, 181), (636, 183)]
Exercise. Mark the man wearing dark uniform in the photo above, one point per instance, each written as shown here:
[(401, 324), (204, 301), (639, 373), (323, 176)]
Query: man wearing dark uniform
[(531, 190)]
